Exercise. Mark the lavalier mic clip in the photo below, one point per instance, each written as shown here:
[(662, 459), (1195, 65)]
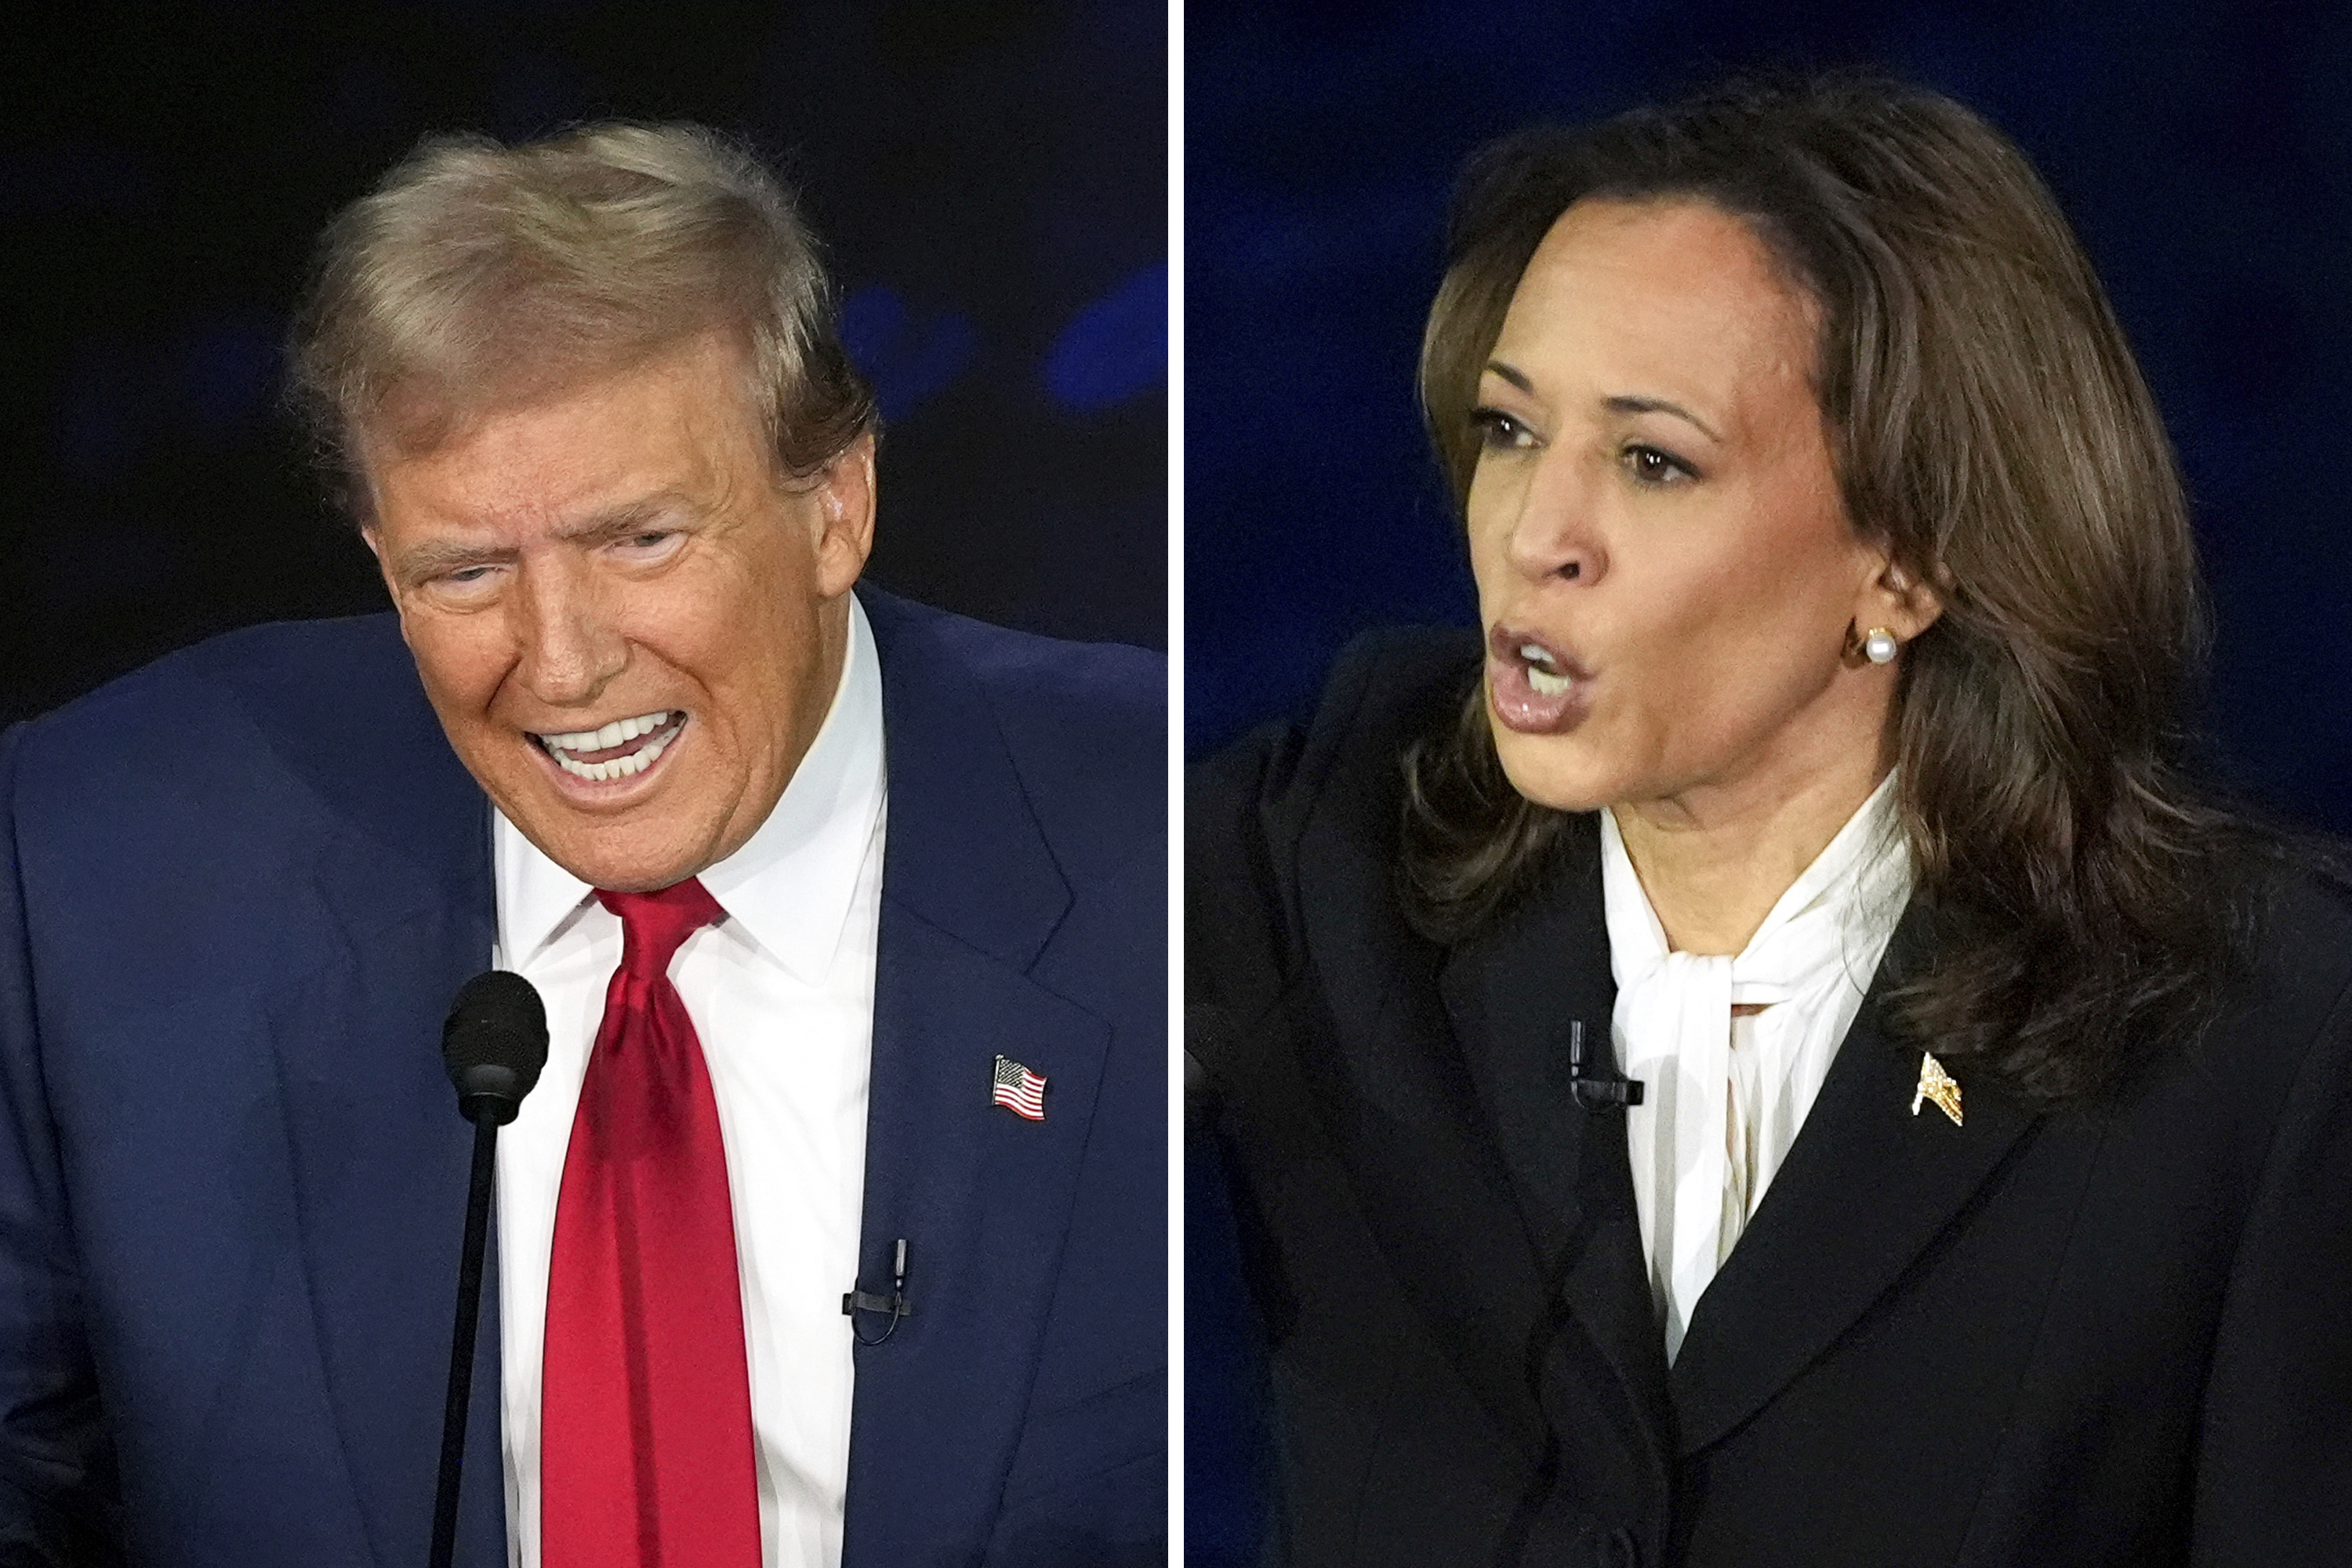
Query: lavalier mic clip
[(855, 1301), (1597, 1086)]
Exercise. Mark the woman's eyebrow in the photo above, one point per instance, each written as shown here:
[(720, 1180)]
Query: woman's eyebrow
[(1513, 375), (1622, 403), (1626, 403)]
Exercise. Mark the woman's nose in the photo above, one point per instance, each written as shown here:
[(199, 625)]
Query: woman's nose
[(1554, 531)]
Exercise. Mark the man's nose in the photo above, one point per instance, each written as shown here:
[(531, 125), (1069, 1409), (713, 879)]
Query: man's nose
[(565, 625)]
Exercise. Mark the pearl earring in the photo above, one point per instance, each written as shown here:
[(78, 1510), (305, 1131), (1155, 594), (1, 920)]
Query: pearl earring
[(1878, 645)]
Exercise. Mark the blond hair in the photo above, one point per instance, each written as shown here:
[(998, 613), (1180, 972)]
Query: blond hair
[(477, 276)]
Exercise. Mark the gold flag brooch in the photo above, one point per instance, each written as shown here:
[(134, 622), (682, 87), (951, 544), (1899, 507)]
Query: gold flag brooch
[(1935, 1084)]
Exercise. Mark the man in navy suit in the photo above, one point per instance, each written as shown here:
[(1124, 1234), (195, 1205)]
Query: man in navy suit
[(619, 477)]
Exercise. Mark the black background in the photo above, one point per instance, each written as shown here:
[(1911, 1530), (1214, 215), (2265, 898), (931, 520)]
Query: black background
[(2203, 152), (991, 179)]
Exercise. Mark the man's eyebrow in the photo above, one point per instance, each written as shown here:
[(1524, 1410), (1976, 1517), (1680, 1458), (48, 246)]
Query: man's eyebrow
[(667, 509), (436, 556)]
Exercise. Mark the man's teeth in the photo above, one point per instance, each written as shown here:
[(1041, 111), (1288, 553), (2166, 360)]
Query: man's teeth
[(612, 734), (1543, 675)]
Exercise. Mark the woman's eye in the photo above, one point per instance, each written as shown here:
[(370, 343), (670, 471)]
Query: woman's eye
[(1650, 466), (1499, 431)]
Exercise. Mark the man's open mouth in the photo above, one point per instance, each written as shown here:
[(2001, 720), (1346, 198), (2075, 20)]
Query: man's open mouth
[(620, 750)]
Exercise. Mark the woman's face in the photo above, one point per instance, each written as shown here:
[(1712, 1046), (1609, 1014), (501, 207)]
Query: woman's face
[(1665, 570)]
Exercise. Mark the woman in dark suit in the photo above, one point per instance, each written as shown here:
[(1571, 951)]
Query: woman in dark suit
[(1767, 1055)]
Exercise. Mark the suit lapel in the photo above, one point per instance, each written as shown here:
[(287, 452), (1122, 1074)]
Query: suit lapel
[(400, 914), (982, 1197), (1867, 1187), (1511, 992)]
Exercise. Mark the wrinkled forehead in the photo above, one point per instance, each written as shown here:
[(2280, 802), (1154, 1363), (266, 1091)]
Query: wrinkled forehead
[(665, 404), (425, 404)]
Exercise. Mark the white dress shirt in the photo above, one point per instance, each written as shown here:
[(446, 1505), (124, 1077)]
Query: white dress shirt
[(781, 995), (1727, 1092)]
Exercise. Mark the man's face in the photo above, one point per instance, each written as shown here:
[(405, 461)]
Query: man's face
[(630, 628)]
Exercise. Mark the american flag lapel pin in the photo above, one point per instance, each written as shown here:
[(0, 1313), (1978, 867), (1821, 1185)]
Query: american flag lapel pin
[(1019, 1090), (1937, 1085)]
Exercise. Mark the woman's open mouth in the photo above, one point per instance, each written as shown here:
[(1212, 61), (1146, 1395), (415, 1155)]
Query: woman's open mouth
[(1533, 685)]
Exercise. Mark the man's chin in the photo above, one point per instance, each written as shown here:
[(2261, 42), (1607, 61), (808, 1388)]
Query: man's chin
[(621, 870), (636, 851)]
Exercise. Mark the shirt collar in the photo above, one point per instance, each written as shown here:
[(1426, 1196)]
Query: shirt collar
[(788, 887), (1865, 870)]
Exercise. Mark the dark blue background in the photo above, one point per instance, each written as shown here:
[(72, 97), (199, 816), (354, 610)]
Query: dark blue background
[(990, 176), (2203, 150)]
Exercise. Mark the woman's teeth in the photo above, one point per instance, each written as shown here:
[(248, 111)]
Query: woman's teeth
[(1543, 675)]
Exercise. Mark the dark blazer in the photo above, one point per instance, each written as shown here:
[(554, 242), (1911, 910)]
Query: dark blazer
[(239, 889), (2118, 1333)]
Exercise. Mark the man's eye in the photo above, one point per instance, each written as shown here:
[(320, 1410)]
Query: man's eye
[(1650, 466), (1499, 431)]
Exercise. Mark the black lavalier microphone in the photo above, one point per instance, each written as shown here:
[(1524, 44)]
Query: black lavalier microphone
[(1597, 1086), (894, 1304), (493, 1044)]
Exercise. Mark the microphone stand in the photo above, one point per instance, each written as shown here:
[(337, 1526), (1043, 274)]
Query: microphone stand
[(494, 1046), (461, 1349)]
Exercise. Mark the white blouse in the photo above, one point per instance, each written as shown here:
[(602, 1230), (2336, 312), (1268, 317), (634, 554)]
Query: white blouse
[(1727, 1092)]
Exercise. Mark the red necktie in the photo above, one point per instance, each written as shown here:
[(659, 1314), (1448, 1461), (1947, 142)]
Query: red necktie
[(645, 1457)]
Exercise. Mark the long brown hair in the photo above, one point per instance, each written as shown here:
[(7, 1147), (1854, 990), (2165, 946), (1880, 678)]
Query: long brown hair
[(2085, 895)]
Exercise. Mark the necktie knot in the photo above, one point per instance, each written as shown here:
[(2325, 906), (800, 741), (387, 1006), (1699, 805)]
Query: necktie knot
[(655, 925)]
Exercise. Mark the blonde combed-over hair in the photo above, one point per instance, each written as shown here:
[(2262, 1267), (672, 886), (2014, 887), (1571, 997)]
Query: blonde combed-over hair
[(477, 276)]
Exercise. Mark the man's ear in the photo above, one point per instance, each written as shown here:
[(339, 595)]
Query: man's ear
[(843, 498), (374, 539)]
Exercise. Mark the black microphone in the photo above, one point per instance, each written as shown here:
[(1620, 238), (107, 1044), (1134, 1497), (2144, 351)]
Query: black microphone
[(1597, 1088), (895, 1303), (493, 1044)]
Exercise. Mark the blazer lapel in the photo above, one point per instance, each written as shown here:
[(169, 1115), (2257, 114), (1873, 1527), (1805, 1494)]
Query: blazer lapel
[(1512, 993), (1867, 1187), (980, 1196), (399, 915)]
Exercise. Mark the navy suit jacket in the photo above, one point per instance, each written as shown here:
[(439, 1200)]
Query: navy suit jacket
[(240, 887)]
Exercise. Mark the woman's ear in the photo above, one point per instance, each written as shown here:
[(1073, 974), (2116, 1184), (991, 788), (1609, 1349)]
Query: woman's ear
[(1899, 600)]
